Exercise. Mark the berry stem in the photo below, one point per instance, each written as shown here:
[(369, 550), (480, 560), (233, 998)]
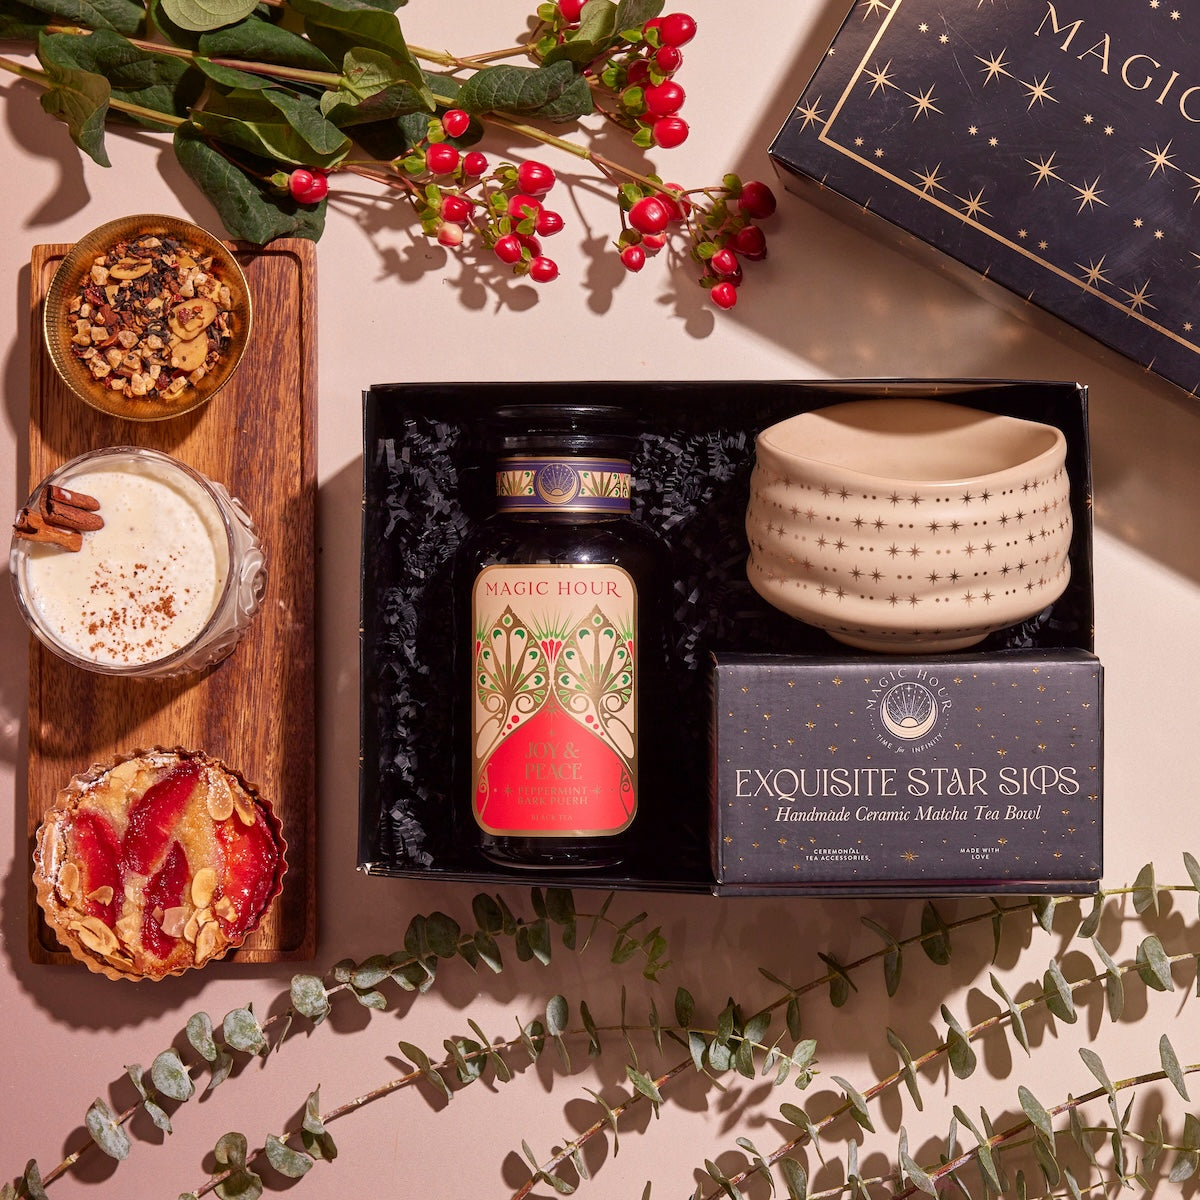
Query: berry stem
[(607, 165)]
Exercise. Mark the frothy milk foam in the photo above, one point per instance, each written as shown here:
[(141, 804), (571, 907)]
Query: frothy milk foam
[(144, 585)]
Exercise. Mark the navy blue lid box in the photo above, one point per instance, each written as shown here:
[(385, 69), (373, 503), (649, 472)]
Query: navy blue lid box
[(877, 775), (1048, 146)]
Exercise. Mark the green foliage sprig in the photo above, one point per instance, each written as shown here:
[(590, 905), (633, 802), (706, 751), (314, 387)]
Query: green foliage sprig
[(264, 101), (1047, 1149)]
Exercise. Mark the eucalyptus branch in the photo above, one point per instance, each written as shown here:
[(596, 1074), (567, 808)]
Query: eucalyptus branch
[(934, 938), (1152, 965)]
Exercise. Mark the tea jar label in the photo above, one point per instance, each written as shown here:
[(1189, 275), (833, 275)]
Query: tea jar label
[(554, 699)]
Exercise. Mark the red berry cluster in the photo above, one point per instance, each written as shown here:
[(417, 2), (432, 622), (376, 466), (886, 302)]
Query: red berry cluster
[(637, 73), (458, 193), (720, 224)]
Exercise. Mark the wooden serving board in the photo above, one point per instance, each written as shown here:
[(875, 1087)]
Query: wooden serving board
[(256, 711)]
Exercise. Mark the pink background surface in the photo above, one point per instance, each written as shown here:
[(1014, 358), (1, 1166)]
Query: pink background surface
[(828, 302)]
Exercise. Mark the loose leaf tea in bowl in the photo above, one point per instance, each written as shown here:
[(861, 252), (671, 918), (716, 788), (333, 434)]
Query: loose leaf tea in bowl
[(147, 317)]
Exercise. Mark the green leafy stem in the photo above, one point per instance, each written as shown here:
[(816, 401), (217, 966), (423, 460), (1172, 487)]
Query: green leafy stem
[(251, 94)]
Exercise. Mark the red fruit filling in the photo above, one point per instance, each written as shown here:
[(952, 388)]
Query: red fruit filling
[(153, 819), (251, 858), (164, 889), (93, 848)]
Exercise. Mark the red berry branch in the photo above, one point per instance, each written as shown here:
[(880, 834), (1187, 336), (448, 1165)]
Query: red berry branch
[(266, 186)]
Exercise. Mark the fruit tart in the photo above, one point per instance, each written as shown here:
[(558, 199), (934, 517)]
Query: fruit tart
[(160, 862)]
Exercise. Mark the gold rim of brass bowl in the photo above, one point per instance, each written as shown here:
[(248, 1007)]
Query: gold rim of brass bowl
[(57, 328)]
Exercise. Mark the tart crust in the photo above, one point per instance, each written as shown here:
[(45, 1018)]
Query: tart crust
[(158, 862)]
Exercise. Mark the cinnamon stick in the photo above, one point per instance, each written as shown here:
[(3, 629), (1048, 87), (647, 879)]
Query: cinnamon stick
[(34, 527)]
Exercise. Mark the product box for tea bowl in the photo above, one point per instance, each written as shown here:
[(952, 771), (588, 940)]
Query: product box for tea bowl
[(1051, 147), (956, 774), (429, 482)]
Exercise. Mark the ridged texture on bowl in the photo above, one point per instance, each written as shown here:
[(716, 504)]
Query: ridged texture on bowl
[(143, 889), (909, 565)]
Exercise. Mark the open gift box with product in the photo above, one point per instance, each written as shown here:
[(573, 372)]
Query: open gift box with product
[(779, 757)]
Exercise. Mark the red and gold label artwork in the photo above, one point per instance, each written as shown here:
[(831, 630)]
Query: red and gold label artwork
[(555, 700)]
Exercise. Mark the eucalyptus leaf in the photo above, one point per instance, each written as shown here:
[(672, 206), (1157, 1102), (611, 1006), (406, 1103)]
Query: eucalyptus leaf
[(858, 1105), (685, 1007), (243, 1032), (1016, 1018), (80, 100), (893, 960), (962, 1056), (935, 936), (32, 1180), (157, 1115), (917, 1175), (1058, 994), (1154, 967), (1170, 1063), (309, 997), (201, 15), (1114, 982), (200, 1036), (317, 1139), (795, 1179), (609, 1116), (644, 1084), (170, 1076), (840, 983), (1188, 1159), (1036, 1112), (371, 972), (443, 933), (488, 950), (1145, 891), (285, 1160), (242, 1184), (489, 916), (1091, 923), (558, 1013), (231, 1150), (1092, 1061), (560, 906), (1193, 870), (106, 1131), (221, 1069), (1044, 1153), (909, 1073)]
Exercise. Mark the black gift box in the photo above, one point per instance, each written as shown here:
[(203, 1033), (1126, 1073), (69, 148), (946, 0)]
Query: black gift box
[(428, 478), (1050, 146)]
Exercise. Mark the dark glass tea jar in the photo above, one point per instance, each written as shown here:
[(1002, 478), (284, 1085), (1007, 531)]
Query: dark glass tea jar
[(559, 631)]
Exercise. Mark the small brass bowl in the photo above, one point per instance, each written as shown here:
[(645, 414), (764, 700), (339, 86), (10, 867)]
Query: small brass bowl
[(58, 324)]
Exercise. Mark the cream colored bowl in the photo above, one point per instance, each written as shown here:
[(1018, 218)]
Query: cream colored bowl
[(910, 526)]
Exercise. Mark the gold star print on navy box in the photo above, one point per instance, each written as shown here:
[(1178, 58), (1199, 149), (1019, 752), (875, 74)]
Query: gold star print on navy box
[(1053, 147)]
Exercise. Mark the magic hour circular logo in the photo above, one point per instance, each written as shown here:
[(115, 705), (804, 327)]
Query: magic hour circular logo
[(906, 707)]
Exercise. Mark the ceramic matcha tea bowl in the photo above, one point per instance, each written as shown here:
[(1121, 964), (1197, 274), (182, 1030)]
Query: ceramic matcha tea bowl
[(909, 525)]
